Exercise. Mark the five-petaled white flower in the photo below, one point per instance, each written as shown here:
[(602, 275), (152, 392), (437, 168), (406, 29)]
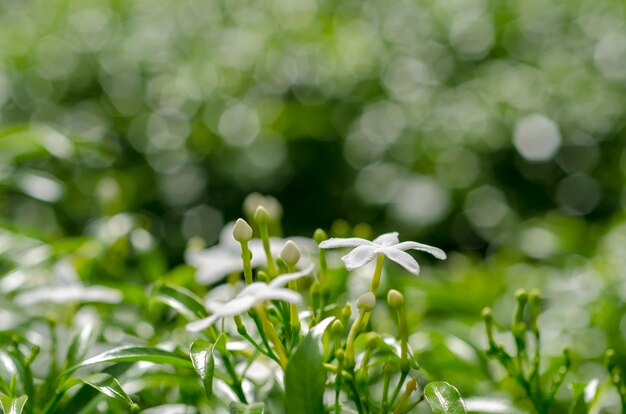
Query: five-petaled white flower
[(387, 244), (250, 296)]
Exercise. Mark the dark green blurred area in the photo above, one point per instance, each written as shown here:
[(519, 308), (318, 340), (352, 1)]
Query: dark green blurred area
[(448, 121), (494, 130)]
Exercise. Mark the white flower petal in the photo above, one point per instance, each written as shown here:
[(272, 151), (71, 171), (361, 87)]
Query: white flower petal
[(201, 324), (358, 257), (387, 239), (251, 289), (403, 259), (349, 242), (232, 307), (283, 294), (282, 280), (438, 253), (319, 329)]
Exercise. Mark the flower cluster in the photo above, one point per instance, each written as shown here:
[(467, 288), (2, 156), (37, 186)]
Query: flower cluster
[(297, 319)]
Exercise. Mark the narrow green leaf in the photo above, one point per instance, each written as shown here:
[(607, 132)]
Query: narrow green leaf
[(105, 384), (181, 299), (12, 363), (81, 341), (241, 408), (444, 398), (201, 354), (305, 380), (12, 405), (136, 354)]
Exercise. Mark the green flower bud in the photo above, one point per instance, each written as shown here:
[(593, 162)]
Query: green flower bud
[(261, 216), (521, 296), (241, 328), (395, 299), (336, 328), (290, 253), (319, 236), (242, 232), (340, 355), (372, 340), (390, 368), (366, 302), (346, 312), (263, 276)]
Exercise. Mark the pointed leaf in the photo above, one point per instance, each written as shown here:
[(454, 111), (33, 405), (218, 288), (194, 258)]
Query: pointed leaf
[(182, 300), (444, 398), (12, 363), (12, 405), (81, 341), (241, 408), (105, 384), (136, 354), (305, 380), (201, 354)]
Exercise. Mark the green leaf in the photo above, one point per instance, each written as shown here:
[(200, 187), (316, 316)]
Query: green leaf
[(12, 405), (444, 398), (181, 299), (305, 380), (81, 340), (201, 354), (105, 384), (241, 408), (136, 354), (13, 364)]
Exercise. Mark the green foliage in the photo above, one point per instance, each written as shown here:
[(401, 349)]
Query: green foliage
[(444, 398), (12, 405), (305, 379), (135, 354), (203, 360)]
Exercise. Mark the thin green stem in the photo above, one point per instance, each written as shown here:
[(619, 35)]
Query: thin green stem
[(273, 337), (380, 258), (265, 238), (247, 265)]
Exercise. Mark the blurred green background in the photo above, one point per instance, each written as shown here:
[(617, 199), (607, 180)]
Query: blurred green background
[(491, 129)]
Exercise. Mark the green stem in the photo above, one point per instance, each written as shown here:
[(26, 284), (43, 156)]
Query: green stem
[(354, 331), (247, 265), (265, 238), (398, 388), (294, 320), (273, 336), (380, 258)]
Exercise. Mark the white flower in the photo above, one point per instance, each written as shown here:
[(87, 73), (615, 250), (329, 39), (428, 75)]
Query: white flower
[(215, 263), (250, 296), (388, 244)]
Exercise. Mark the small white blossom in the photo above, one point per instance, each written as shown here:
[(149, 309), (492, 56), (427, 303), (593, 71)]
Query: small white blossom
[(388, 244), (250, 296)]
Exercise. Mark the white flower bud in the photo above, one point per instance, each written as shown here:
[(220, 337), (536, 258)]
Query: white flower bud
[(290, 253), (366, 302), (242, 232), (395, 299)]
